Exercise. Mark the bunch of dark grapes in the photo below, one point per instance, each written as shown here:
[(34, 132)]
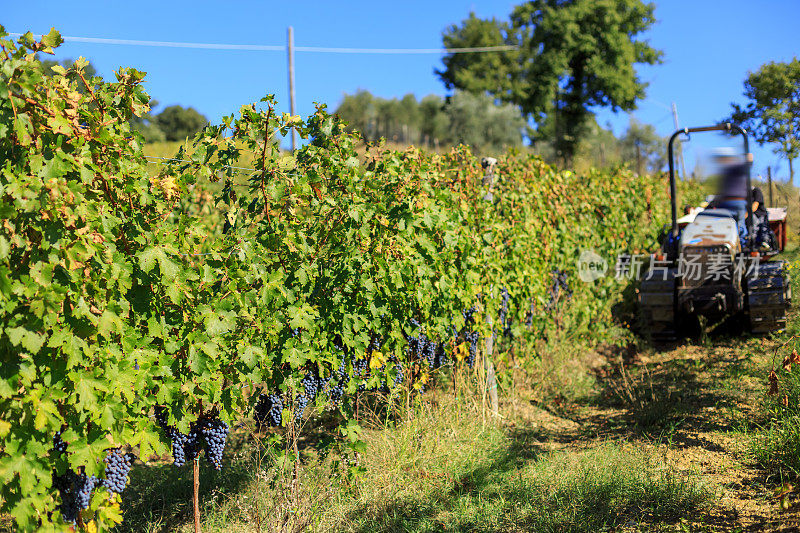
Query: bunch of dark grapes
[(64, 485), (468, 315), (559, 283), (529, 315), (428, 348), (299, 408), (310, 383), (441, 354), (360, 368), (503, 305), (179, 443), (505, 321), (183, 446), (269, 410), (472, 337), (58, 444), (118, 465), (398, 378), (342, 379), (75, 492), (84, 493), (215, 433)]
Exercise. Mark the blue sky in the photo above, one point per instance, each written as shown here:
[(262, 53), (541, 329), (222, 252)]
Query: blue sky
[(709, 46)]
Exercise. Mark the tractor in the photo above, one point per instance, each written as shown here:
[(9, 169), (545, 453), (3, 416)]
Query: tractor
[(704, 268)]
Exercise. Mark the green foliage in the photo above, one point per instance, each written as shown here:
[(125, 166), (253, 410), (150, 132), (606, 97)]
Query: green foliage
[(78, 210), (772, 111), (643, 148), (573, 55), (177, 122), (67, 64), (146, 125), (121, 290), (474, 120)]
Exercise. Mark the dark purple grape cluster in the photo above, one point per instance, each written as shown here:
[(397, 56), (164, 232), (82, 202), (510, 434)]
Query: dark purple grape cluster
[(215, 433), (342, 379), (84, 493), (58, 444), (118, 465), (559, 283), (441, 355), (269, 410), (75, 491), (398, 377), (469, 315), (184, 447), (300, 404), (529, 315), (360, 368), (311, 386), (503, 318), (428, 349), (472, 337)]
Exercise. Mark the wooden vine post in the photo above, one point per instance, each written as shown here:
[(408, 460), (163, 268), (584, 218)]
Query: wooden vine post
[(488, 164), (488, 368), (196, 493)]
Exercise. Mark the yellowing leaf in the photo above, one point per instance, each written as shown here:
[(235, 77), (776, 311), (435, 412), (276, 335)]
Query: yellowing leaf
[(40, 421), (462, 351), (377, 360)]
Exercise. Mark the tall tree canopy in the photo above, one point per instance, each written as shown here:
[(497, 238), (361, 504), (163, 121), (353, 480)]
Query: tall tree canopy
[(643, 148), (572, 55), (772, 111), (178, 122)]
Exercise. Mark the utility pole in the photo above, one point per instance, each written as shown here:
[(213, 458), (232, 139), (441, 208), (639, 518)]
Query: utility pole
[(680, 154), (290, 50), (769, 184)]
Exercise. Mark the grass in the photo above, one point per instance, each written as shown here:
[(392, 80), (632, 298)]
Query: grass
[(775, 441)]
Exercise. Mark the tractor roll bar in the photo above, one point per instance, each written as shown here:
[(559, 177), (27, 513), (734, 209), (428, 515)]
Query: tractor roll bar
[(726, 126)]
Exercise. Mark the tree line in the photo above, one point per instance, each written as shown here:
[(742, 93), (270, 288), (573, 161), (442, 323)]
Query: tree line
[(476, 120), (434, 121)]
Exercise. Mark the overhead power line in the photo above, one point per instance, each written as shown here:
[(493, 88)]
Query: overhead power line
[(280, 48)]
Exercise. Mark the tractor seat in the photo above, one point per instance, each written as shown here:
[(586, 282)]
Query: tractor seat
[(717, 212)]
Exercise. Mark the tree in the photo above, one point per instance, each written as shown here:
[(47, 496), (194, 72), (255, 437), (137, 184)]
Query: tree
[(463, 118), (772, 113), (177, 122), (475, 120), (433, 123), (359, 111), (572, 55), (643, 148)]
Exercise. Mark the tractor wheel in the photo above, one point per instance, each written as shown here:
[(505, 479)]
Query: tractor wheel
[(769, 295), (657, 304)]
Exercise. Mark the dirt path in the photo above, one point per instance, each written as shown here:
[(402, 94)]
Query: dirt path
[(696, 405)]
